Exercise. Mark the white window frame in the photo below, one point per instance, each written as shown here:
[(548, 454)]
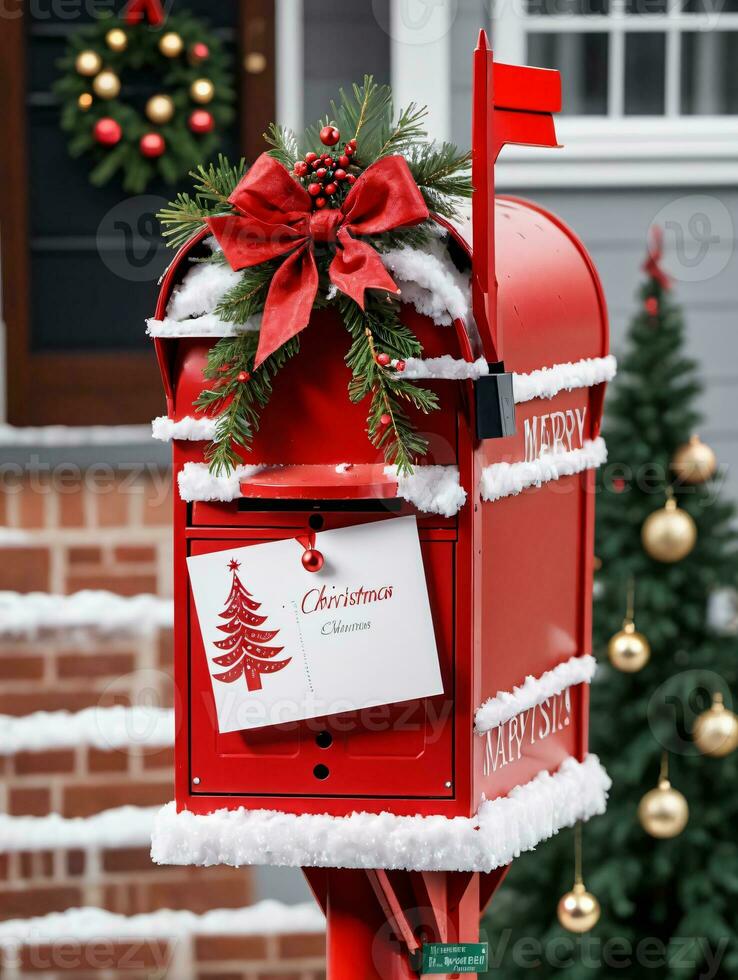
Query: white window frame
[(615, 150)]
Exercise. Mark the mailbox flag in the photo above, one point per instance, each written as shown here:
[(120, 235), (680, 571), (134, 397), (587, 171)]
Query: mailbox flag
[(246, 653)]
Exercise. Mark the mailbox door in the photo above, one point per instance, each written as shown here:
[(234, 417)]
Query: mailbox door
[(403, 749)]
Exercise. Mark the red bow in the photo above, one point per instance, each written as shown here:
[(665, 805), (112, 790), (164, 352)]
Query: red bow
[(276, 217), (652, 264), (138, 10)]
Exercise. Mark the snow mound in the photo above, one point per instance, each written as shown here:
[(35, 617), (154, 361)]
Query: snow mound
[(507, 479)]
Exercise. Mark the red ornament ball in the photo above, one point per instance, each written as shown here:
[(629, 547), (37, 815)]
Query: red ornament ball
[(652, 306), (384, 419), (199, 52), (343, 160), (314, 190), (152, 145), (351, 179), (340, 174), (243, 376), (331, 189), (201, 121), (352, 144), (311, 157), (312, 560), (107, 131), (300, 169), (400, 366), (320, 202), (328, 161), (348, 150), (383, 359), (329, 136), (320, 173)]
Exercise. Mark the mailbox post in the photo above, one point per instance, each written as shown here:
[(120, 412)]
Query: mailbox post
[(406, 827)]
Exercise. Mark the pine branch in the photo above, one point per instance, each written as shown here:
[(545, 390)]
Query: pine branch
[(217, 182), (213, 186), (248, 296), (443, 174), (405, 133), (283, 144)]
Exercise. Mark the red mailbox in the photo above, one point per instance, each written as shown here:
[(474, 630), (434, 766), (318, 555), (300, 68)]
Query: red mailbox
[(506, 535)]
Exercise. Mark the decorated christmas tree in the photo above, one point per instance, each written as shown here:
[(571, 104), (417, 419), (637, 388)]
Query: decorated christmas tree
[(245, 648), (663, 861)]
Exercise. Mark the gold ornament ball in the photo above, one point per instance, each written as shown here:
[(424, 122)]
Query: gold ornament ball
[(663, 812), (106, 85), (85, 101), (202, 91), (88, 63), (578, 910), (629, 650), (116, 39), (171, 44), (715, 732), (694, 462), (159, 109), (669, 534)]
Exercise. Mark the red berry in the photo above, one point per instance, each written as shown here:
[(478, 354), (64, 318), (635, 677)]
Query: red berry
[(314, 190), (331, 189), (383, 359), (201, 121), (400, 366), (343, 160), (301, 168), (348, 150), (320, 202), (310, 157), (320, 173), (152, 145), (328, 161), (329, 136), (351, 179), (352, 144), (340, 174), (243, 376), (107, 131), (385, 419)]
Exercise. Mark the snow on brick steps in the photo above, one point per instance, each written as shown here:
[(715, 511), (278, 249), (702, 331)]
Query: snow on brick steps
[(549, 381), (501, 830), (29, 614), (191, 428), (507, 479), (91, 924), (125, 826), (535, 690), (117, 727)]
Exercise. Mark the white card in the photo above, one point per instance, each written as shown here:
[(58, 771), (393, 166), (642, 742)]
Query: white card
[(284, 643)]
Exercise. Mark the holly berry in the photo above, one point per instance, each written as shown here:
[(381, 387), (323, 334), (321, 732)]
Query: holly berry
[(328, 161), (343, 160), (329, 136), (331, 189), (320, 173), (152, 145), (107, 131), (201, 121), (243, 376), (351, 179), (314, 190), (340, 174), (400, 367), (348, 150), (320, 202), (300, 168), (384, 419), (383, 359), (311, 157)]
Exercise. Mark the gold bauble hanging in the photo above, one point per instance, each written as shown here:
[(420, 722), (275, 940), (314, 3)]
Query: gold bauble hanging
[(116, 39), (578, 910), (88, 63), (629, 650), (84, 102), (171, 44), (715, 732), (663, 812), (694, 462), (669, 534), (202, 91), (106, 85), (159, 109)]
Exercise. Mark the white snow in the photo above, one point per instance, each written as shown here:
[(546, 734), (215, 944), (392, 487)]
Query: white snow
[(116, 727), (207, 325), (445, 368), (91, 924), (506, 479), (30, 613), (73, 435), (535, 690), (549, 381), (196, 429), (430, 281), (432, 489), (500, 831), (196, 482), (201, 289), (125, 826)]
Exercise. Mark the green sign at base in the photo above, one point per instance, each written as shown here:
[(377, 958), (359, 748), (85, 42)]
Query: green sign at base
[(454, 958)]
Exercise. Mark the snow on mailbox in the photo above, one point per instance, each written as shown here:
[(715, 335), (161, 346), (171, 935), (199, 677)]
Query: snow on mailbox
[(383, 599)]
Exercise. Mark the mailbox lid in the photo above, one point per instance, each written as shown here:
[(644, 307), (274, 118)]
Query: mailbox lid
[(403, 750)]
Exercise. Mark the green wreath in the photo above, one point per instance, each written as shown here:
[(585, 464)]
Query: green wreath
[(163, 132)]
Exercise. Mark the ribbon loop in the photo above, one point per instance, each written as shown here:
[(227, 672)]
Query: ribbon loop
[(275, 219)]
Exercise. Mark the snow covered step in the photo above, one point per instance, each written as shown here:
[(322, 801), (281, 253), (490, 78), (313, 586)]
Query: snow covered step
[(265, 940), (52, 863)]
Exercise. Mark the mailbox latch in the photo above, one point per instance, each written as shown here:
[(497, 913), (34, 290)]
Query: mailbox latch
[(495, 403)]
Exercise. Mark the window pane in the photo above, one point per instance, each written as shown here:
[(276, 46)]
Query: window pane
[(582, 60), (645, 64), (558, 8), (709, 77)]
